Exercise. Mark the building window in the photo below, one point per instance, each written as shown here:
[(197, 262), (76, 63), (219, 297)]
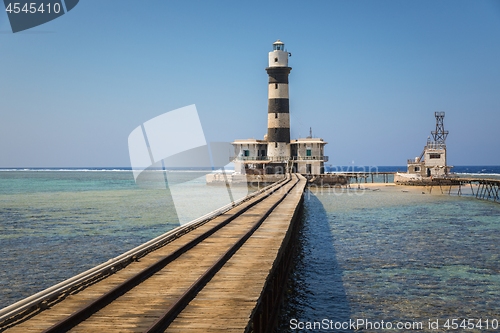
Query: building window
[(275, 115), (417, 169), (275, 59), (275, 130), (308, 152), (275, 145), (246, 152), (434, 156), (275, 86)]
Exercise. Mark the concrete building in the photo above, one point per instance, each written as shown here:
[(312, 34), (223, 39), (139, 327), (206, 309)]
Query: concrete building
[(308, 155), (432, 162), (276, 153)]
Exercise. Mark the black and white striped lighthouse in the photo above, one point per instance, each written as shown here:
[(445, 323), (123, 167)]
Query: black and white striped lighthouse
[(278, 116)]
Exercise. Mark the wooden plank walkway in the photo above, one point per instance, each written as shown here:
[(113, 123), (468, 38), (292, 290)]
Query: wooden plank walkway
[(227, 303), (481, 188)]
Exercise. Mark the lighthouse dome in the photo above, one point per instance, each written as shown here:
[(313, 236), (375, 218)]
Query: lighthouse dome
[(278, 46), (278, 57)]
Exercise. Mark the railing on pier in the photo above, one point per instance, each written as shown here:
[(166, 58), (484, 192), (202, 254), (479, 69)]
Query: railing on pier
[(280, 158), (363, 176)]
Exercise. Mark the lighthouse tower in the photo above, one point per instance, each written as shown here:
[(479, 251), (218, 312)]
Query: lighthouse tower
[(277, 154), (278, 116)]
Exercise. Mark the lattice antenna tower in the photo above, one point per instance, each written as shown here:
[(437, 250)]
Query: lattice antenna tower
[(439, 134)]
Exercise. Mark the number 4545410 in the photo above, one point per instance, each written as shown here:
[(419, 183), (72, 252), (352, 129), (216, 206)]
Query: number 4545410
[(469, 324), (33, 8)]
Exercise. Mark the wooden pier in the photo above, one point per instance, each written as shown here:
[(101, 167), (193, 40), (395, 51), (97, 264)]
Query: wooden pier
[(346, 178), (481, 188), (486, 189), (223, 274), (358, 177)]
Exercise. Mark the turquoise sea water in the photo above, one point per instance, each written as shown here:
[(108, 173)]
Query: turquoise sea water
[(381, 255), (55, 224), (395, 256)]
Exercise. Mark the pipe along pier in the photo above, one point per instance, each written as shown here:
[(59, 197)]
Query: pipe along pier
[(222, 273)]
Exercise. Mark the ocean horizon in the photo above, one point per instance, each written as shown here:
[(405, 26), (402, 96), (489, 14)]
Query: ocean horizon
[(461, 169)]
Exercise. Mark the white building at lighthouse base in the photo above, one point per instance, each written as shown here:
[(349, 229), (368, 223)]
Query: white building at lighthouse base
[(306, 157)]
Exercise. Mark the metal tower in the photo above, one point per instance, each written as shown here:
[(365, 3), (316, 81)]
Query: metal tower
[(439, 134)]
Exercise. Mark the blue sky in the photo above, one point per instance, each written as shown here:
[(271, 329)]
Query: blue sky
[(367, 77)]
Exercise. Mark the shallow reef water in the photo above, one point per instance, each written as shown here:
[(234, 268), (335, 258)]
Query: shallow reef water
[(394, 256)]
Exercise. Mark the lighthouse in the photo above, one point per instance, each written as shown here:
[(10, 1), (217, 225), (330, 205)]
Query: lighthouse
[(278, 115), (276, 153)]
